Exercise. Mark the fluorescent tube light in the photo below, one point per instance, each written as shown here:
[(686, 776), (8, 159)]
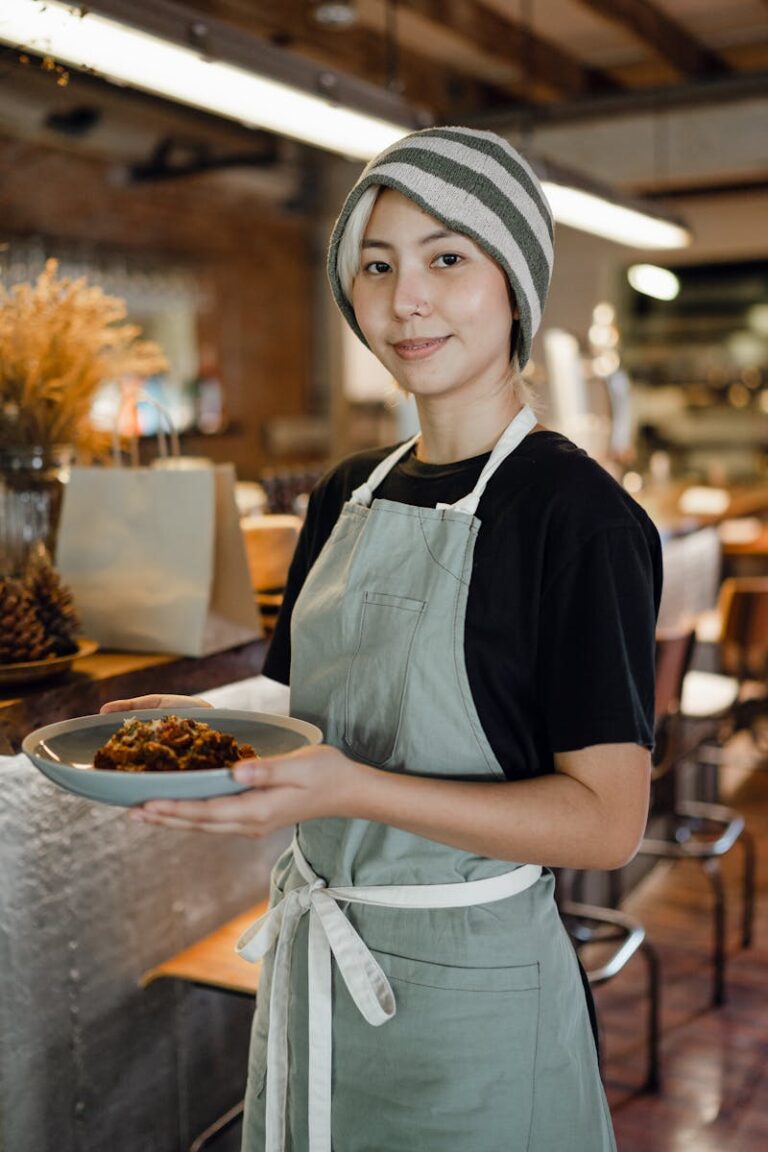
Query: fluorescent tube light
[(236, 76), (654, 281), (591, 206), (604, 217), (127, 55)]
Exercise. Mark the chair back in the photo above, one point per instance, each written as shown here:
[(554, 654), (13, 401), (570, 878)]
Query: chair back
[(674, 649), (744, 629), (691, 577)]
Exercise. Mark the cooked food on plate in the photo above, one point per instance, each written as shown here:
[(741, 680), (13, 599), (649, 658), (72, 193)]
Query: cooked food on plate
[(169, 744)]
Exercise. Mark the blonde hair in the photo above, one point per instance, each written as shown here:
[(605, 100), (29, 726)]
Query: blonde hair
[(350, 247), (348, 266)]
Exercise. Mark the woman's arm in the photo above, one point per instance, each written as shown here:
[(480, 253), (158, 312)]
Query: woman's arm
[(590, 814)]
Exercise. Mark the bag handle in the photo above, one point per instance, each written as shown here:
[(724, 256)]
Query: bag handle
[(137, 398)]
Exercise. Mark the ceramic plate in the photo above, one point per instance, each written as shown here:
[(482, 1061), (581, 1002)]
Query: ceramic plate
[(64, 753), (32, 670)]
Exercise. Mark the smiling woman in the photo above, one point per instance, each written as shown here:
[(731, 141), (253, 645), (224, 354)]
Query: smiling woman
[(435, 310), (469, 618)]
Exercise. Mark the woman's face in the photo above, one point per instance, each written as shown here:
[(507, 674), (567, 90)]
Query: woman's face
[(432, 305)]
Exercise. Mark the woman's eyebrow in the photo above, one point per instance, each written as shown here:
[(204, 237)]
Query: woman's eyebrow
[(441, 235)]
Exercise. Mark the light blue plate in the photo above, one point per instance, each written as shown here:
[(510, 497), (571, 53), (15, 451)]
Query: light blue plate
[(64, 753)]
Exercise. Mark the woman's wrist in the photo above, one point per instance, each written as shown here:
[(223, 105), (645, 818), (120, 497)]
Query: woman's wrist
[(355, 790)]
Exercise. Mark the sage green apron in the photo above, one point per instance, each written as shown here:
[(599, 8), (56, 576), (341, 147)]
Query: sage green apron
[(431, 1000)]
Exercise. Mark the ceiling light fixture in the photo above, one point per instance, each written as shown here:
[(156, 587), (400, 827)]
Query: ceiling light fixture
[(213, 67), (653, 281), (603, 211), (334, 15)]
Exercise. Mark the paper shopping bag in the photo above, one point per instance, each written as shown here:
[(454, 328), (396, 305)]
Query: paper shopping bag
[(156, 560)]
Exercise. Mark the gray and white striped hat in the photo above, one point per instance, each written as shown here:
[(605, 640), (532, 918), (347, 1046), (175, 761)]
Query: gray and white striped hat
[(475, 183)]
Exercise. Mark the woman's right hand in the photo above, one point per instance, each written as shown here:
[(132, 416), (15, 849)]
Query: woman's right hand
[(159, 700)]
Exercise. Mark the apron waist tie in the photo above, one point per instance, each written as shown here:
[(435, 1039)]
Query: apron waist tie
[(331, 933)]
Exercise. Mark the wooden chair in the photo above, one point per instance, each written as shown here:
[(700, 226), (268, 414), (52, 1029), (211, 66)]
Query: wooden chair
[(213, 963), (736, 697), (744, 651), (270, 542)]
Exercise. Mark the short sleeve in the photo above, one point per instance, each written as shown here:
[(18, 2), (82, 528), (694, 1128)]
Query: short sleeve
[(597, 642), (277, 664), (323, 509)]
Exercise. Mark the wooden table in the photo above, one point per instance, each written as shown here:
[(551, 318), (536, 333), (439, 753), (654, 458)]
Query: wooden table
[(105, 676), (212, 962), (662, 503)]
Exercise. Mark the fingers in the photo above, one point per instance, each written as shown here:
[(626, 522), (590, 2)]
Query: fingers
[(133, 705), (221, 808), (290, 768), (180, 825), (154, 700), (252, 773), (245, 814)]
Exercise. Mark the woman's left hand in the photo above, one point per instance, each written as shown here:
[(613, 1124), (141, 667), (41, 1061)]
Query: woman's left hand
[(282, 790)]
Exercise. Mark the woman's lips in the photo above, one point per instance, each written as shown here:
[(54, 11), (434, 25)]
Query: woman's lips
[(419, 349)]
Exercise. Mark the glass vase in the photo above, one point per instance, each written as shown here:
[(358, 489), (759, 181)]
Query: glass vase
[(31, 490)]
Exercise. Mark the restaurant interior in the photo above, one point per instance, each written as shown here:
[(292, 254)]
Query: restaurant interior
[(177, 202)]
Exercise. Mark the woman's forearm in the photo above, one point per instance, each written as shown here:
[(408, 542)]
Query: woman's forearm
[(589, 814), (553, 820)]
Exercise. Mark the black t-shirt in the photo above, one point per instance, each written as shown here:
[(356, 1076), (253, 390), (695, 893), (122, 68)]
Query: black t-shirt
[(562, 605)]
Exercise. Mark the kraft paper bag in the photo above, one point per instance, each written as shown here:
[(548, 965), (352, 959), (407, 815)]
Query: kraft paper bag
[(156, 559)]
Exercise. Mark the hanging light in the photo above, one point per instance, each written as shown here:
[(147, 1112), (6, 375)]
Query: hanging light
[(606, 218), (590, 206), (212, 67), (654, 281), (339, 15)]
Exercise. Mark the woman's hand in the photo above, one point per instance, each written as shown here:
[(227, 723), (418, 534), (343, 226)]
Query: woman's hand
[(282, 791), (154, 701)]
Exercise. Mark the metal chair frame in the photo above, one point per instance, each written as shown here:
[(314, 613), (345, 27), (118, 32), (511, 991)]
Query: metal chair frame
[(589, 924), (697, 831)]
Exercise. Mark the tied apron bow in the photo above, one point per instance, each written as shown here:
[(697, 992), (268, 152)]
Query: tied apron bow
[(331, 934)]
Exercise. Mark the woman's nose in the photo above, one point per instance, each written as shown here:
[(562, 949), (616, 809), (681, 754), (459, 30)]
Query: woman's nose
[(411, 296)]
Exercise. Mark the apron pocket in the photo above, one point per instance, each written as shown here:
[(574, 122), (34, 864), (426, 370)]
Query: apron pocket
[(456, 1064), (378, 675)]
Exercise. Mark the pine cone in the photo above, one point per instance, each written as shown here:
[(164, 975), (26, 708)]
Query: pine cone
[(22, 636), (53, 603)]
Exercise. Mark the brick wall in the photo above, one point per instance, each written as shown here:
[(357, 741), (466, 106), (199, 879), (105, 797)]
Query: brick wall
[(254, 259)]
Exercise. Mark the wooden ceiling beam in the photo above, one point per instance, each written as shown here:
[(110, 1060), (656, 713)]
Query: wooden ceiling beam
[(538, 60), (359, 51), (668, 39)]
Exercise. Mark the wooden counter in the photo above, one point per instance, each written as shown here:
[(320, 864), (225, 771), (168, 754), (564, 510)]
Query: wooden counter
[(91, 901), (116, 675)]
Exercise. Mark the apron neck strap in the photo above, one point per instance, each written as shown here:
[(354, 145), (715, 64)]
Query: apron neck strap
[(364, 494), (511, 437)]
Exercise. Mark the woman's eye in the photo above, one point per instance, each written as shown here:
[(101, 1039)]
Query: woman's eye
[(448, 260), (376, 267)]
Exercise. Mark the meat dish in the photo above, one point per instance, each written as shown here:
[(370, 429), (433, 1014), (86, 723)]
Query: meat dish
[(169, 744)]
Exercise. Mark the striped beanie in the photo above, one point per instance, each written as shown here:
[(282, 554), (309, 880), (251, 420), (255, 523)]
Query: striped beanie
[(475, 183)]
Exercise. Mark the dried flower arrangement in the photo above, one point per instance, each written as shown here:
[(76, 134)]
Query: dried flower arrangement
[(60, 339)]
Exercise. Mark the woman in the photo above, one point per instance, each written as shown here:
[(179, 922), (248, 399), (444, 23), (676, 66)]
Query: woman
[(470, 620)]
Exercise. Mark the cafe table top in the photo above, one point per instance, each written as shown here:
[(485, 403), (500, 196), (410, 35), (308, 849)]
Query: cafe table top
[(662, 503)]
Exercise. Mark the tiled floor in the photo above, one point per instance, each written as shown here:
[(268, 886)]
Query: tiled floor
[(714, 1095)]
